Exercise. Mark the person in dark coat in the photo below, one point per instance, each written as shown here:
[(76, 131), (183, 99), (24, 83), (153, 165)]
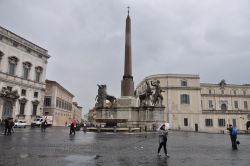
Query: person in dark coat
[(72, 128), (44, 125), (6, 125), (11, 125), (233, 135)]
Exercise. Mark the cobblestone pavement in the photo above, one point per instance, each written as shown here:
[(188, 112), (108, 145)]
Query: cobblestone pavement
[(55, 147)]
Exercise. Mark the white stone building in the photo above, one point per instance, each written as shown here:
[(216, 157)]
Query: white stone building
[(194, 106), (22, 77)]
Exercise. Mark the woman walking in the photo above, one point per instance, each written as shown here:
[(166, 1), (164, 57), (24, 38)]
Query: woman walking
[(163, 133)]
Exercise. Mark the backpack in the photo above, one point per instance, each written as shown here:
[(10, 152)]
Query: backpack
[(234, 131)]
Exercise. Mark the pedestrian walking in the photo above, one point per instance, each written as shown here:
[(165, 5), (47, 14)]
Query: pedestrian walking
[(233, 135), (84, 127), (163, 133), (11, 126), (44, 125), (6, 126), (72, 128)]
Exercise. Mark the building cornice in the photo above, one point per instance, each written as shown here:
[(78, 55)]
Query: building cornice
[(160, 76), (60, 86), (208, 85), (225, 112), (225, 95), (20, 81), (23, 42), (181, 88)]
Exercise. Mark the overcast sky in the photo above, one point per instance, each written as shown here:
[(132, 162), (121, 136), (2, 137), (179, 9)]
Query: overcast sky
[(86, 39)]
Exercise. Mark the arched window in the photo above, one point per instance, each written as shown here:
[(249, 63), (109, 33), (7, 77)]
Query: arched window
[(26, 69), (223, 107)]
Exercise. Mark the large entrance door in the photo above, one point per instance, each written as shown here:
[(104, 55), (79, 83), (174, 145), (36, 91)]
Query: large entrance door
[(248, 125), (7, 112), (196, 127)]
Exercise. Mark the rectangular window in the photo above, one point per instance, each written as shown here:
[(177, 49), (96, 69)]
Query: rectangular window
[(235, 92), (234, 122), (236, 104), (34, 109), (22, 105), (23, 92), (209, 122), (184, 83), (209, 91), (210, 104), (38, 74), (221, 122), (12, 68), (185, 99), (35, 94), (60, 103), (185, 121), (46, 113), (245, 105), (222, 92), (47, 101), (25, 73)]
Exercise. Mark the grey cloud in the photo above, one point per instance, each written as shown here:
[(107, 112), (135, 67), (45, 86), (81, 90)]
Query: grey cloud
[(86, 39)]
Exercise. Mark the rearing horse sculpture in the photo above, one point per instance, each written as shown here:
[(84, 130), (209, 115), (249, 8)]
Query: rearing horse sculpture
[(145, 96), (102, 96)]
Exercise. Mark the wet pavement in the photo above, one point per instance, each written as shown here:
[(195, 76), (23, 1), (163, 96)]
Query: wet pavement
[(55, 147)]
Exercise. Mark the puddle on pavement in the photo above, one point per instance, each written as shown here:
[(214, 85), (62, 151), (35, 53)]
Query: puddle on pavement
[(24, 155), (78, 159)]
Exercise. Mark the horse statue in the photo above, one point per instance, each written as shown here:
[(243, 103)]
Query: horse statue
[(102, 96), (111, 99), (157, 96), (145, 96)]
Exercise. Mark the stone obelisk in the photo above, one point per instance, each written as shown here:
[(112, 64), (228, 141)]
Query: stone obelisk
[(127, 83)]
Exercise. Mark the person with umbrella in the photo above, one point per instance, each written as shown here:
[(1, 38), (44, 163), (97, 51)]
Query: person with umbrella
[(72, 127), (163, 133)]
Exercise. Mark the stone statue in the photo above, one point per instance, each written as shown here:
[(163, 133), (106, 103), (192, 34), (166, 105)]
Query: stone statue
[(146, 95), (102, 96), (5, 92), (157, 97)]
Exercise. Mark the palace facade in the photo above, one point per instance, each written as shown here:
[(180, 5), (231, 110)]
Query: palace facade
[(22, 77), (194, 106), (58, 103)]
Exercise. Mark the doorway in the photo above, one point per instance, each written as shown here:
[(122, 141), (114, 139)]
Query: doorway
[(196, 127), (7, 112)]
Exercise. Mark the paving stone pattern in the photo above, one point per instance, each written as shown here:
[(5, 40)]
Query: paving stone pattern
[(55, 147)]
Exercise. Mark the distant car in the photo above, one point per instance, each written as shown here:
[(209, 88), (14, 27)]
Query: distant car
[(20, 124)]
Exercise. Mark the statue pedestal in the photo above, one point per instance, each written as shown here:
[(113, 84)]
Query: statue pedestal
[(127, 101)]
